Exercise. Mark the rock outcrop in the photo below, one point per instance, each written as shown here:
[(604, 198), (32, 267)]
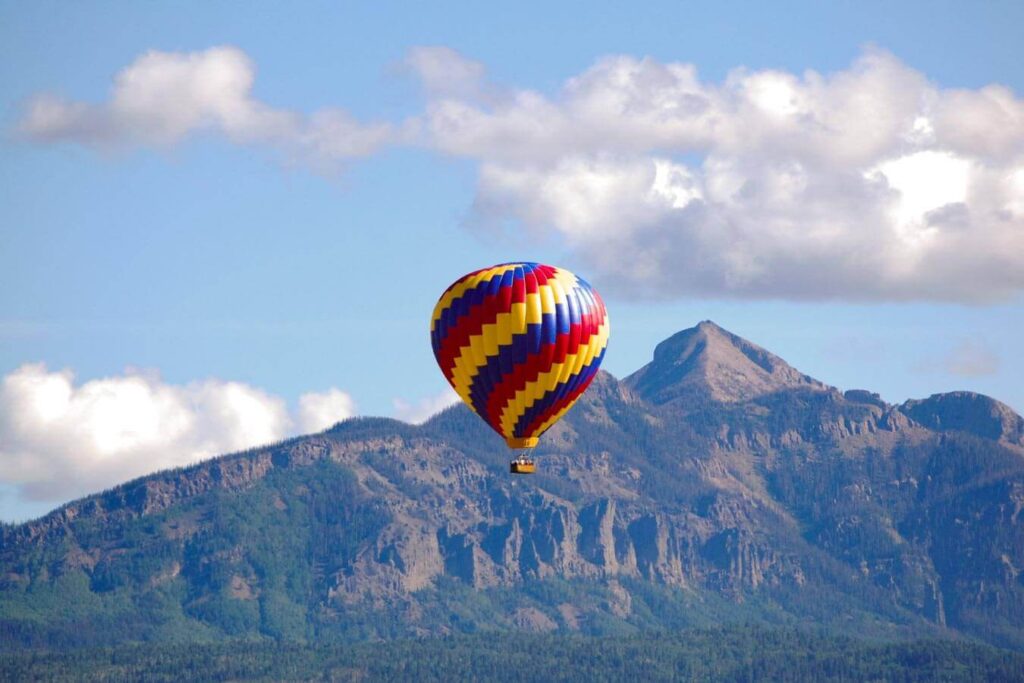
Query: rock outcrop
[(716, 481)]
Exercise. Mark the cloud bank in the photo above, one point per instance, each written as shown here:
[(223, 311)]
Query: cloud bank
[(867, 184), (870, 183), (420, 411), (59, 439), (164, 97)]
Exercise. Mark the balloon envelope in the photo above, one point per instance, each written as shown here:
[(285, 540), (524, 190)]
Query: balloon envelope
[(519, 343)]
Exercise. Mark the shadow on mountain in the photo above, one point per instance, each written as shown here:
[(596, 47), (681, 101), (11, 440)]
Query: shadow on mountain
[(715, 485)]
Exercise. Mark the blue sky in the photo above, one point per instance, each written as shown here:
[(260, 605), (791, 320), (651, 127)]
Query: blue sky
[(237, 256)]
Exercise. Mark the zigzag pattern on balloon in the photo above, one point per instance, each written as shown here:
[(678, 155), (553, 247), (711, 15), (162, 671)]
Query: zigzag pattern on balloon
[(519, 343)]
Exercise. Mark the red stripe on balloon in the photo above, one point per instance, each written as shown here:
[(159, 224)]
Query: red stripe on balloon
[(472, 323), (556, 407), (537, 364)]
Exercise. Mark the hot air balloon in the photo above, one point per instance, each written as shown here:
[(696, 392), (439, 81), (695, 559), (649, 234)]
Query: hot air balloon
[(519, 343)]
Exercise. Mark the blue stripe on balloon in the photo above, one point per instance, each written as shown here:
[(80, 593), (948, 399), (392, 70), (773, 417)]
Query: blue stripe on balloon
[(555, 395), (517, 352), (562, 318), (462, 305), (548, 331), (573, 301), (514, 354)]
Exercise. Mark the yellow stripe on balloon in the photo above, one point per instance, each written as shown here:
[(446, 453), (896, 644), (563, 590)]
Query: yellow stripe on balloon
[(573, 363), (547, 299), (533, 309), (476, 354), (556, 417), (533, 392), (567, 280), (464, 286), (556, 286), (547, 381), (482, 346)]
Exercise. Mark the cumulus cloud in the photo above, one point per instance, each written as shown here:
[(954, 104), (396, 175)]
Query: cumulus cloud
[(444, 72), (163, 97), (317, 412), (422, 410), (869, 183), (59, 439)]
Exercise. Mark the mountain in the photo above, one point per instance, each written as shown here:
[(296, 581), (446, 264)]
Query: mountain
[(965, 411), (716, 484), (709, 363)]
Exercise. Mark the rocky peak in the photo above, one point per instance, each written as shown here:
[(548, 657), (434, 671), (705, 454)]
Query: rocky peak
[(967, 411), (709, 362), (376, 528)]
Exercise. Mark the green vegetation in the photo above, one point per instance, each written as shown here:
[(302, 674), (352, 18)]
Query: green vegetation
[(182, 575), (736, 654), (643, 519)]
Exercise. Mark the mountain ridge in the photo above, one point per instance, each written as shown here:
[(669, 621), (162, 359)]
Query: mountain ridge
[(709, 362), (785, 501)]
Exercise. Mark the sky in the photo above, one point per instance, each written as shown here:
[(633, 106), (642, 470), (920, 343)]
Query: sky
[(222, 223)]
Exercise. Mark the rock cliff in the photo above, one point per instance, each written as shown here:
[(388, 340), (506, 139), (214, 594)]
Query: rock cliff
[(716, 483)]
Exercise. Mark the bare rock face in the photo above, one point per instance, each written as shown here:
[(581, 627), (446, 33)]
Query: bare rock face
[(716, 475), (707, 362), (966, 411), (597, 535)]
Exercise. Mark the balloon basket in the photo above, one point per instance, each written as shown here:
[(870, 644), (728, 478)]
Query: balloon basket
[(522, 465)]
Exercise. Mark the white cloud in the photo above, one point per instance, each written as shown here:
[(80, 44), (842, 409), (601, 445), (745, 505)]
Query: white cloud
[(59, 440), (317, 412), (925, 181), (867, 184), (444, 72), (422, 410), (163, 97), (870, 183)]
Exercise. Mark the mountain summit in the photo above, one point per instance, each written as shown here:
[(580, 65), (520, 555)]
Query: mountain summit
[(716, 484), (707, 362), (967, 411)]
